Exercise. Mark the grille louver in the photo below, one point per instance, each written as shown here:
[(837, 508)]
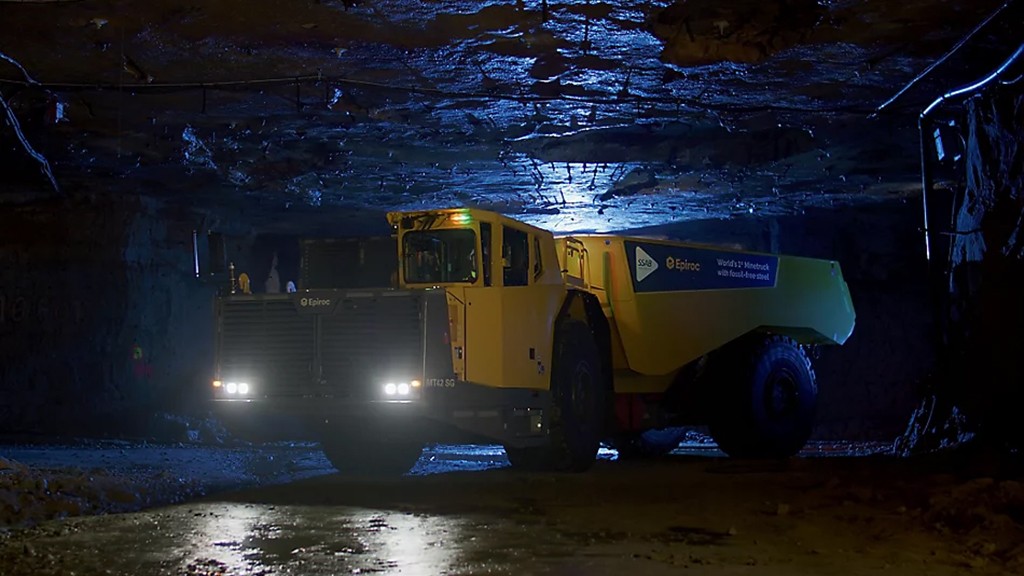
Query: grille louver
[(267, 342), (367, 339), (372, 340)]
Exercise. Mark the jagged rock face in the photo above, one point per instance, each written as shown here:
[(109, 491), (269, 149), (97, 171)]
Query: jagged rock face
[(58, 266), (987, 262), (705, 31), (99, 314), (540, 109)]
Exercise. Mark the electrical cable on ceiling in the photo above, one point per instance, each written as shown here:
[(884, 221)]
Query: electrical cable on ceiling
[(956, 48), (978, 85)]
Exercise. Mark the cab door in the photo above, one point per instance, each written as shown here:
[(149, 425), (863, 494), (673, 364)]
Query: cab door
[(509, 315)]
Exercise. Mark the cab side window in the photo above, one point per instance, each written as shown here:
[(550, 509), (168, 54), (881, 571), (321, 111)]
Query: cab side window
[(485, 249), (538, 264), (515, 257)]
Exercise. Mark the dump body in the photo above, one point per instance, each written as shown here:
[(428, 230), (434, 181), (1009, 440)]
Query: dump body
[(669, 303)]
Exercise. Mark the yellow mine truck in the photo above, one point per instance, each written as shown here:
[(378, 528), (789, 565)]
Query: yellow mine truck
[(501, 331)]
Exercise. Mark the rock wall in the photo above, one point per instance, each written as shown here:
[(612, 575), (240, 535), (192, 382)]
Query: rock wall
[(870, 385), (101, 320), (986, 308), (703, 31)]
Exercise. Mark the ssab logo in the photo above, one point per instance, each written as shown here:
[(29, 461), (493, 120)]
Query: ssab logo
[(645, 265)]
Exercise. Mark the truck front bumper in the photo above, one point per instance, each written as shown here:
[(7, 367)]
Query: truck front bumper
[(465, 411)]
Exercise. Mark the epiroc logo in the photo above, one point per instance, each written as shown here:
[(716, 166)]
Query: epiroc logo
[(311, 304), (645, 265), (314, 302)]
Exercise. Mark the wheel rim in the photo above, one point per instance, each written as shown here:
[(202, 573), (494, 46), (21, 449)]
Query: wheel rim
[(781, 395), (582, 380)]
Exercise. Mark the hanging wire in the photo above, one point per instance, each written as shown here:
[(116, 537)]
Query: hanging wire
[(12, 120), (28, 78), (956, 48)]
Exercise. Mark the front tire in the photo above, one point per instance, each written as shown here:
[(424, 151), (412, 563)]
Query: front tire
[(579, 406), (765, 398), (365, 455)]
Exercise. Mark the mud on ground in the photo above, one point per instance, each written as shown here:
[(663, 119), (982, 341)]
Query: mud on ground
[(466, 512)]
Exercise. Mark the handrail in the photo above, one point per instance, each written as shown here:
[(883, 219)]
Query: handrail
[(573, 245)]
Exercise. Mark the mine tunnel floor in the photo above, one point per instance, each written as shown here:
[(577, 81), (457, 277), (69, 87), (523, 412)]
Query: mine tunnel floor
[(840, 508)]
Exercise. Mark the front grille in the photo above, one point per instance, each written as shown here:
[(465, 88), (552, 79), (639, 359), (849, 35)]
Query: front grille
[(350, 351), (370, 340), (266, 341)]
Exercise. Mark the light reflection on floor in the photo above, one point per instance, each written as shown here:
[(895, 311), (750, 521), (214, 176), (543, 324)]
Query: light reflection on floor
[(445, 458), (250, 538), (223, 538), (318, 528)]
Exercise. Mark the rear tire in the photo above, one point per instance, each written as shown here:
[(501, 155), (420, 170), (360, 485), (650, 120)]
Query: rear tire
[(579, 406), (765, 398)]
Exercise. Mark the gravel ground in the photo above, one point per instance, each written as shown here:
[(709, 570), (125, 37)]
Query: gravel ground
[(45, 480), (464, 512), (39, 482), (42, 479), (972, 502)]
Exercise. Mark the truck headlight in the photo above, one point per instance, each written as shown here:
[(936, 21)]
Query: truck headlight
[(236, 388), (398, 389)]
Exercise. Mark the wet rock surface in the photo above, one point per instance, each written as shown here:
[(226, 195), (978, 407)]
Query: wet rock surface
[(40, 482), (705, 32), (810, 515), (536, 108)]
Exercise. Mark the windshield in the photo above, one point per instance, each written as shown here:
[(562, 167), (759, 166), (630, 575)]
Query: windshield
[(436, 256)]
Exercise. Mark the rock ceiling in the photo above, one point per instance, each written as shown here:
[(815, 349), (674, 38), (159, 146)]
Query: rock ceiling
[(572, 114)]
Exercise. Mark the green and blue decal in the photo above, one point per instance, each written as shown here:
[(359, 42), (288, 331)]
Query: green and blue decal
[(664, 268)]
